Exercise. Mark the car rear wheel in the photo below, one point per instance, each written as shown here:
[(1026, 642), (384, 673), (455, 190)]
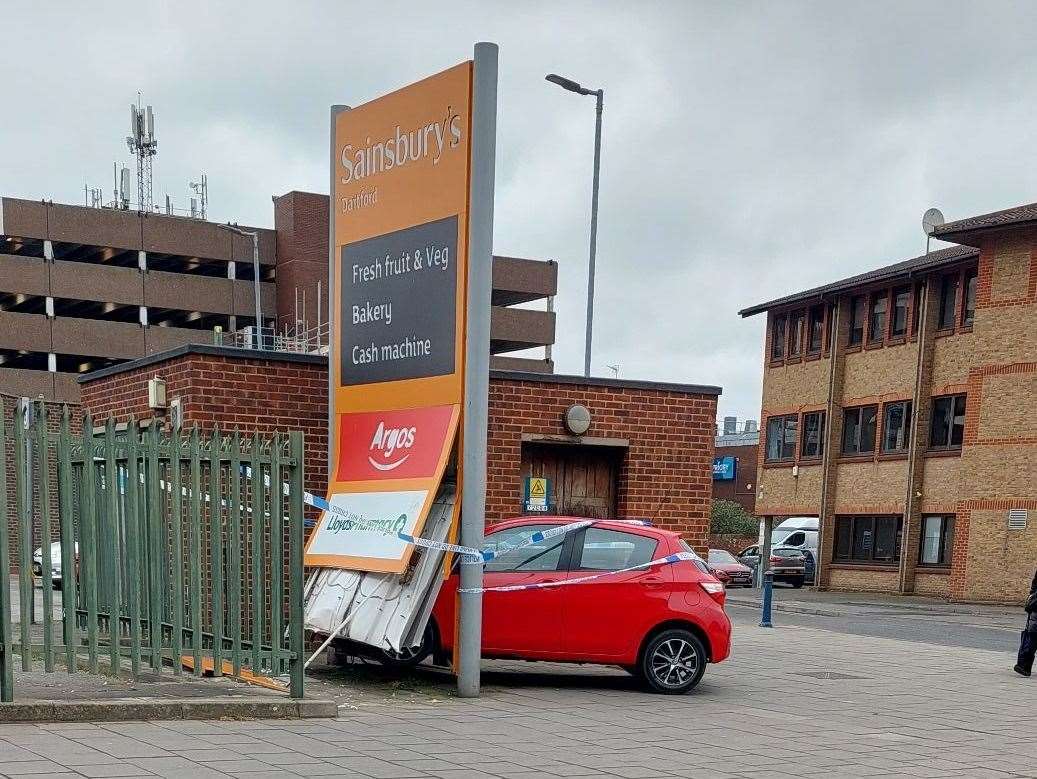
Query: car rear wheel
[(797, 583), (410, 656), (673, 662)]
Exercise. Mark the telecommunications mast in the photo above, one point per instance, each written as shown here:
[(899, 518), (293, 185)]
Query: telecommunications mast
[(143, 145), (200, 188)]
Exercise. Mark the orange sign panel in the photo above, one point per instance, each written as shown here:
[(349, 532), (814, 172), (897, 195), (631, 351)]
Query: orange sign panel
[(400, 201)]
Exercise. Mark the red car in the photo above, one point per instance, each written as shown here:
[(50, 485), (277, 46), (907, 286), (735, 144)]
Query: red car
[(662, 624)]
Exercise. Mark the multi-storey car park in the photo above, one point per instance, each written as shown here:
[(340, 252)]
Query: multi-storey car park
[(86, 288), (900, 407)]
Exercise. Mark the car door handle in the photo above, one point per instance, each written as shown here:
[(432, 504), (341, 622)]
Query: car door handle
[(653, 581)]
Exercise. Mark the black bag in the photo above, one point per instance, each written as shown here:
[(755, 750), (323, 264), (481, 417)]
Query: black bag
[(1031, 603)]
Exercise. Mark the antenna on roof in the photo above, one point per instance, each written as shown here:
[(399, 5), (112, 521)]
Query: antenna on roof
[(931, 219)]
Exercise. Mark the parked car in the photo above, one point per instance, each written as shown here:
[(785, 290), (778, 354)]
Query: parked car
[(724, 563), (797, 532), (55, 563), (788, 564), (662, 624)]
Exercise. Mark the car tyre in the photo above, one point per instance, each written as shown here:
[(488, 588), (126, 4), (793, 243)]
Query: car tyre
[(673, 662), (411, 656), (797, 583)]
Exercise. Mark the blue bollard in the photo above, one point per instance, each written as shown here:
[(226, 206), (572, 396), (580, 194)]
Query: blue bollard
[(768, 589)]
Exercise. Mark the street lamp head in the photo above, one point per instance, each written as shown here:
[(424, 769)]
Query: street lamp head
[(566, 83)]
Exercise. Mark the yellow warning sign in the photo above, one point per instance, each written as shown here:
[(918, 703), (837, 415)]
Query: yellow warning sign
[(538, 488)]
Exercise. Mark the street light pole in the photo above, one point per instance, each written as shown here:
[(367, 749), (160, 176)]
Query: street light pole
[(599, 94), (255, 276), (594, 235)]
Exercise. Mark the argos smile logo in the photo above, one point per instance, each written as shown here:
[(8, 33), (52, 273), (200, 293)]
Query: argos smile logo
[(389, 443)]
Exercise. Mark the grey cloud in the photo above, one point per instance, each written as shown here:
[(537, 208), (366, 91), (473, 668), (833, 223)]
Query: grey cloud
[(751, 149)]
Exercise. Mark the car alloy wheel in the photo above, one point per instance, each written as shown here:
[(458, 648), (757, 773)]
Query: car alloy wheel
[(673, 662), (410, 656)]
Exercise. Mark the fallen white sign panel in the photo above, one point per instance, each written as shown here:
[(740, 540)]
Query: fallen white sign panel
[(387, 611)]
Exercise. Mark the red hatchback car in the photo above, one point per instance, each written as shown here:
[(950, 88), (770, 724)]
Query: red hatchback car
[(662, 623)]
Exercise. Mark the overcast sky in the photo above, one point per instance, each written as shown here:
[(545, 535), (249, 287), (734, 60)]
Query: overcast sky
[(750, 149)]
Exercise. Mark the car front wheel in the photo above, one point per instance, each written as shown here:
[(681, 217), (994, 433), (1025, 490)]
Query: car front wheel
[(673, 662), (410, 656)]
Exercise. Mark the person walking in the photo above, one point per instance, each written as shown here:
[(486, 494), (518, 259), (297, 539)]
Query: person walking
[(1028, 645)]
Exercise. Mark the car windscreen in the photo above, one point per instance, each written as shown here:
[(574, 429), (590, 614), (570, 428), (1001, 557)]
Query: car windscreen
[(786, 553), (721, 557)]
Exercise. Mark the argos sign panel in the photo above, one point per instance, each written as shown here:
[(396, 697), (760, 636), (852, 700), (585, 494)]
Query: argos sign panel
[(404, 444)]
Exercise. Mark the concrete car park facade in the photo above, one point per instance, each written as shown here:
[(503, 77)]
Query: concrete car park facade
[(900, 407), (86, 288)]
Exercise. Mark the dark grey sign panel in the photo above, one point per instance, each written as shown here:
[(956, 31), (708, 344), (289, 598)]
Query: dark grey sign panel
[(399, 304)]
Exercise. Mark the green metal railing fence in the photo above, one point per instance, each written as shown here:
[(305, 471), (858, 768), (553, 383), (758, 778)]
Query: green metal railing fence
[(155, 551)]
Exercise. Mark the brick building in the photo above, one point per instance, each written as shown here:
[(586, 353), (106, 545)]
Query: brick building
[(85, 288), (735, 463), (647, 452), (900, 406)]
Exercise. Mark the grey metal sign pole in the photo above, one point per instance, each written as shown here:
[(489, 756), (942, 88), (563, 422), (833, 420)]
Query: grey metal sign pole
[(477, 358), (333, 344)]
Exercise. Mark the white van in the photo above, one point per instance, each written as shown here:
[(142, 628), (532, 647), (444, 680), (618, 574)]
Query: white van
[(797, 532)]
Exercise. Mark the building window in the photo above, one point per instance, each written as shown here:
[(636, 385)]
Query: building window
[(795, 334), (778, 338), (916, 309), (948, 423), (901, 303), (781, 438), (968, 309), (859, 430), (813, 435), (816, 330), (858, 313), (896, 426), (948, 295), (877, 320), (829, 324), (937, 540), (868, 539)]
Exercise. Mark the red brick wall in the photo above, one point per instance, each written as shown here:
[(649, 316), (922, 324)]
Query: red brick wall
[(254, 395), (666, 474)]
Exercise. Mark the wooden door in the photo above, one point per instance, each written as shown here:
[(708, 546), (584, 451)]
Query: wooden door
[(583, 478)]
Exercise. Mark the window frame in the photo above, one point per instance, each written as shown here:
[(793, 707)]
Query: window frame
[(563, 556), (803, 455), (886, 408), (779, 337), (895, 293), (953, 279), (859, 410), (575, 561), (970, 279), (854, 323), (818, 310), (874, 299), (794, 341), (945, 553), (950, 446), (870, 523), (784, 420)]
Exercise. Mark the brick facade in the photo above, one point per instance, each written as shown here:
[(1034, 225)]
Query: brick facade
[(993, 361), (665, 431)]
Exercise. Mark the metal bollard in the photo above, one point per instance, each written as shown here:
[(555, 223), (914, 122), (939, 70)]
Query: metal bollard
[(768, 590)]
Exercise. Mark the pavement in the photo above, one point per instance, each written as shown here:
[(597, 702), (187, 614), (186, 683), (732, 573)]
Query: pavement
[(793, 701)]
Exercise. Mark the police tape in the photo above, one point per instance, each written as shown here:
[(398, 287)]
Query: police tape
[(470, 555), (668, 560)]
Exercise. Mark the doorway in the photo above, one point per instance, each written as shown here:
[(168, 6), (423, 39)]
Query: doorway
[(583, 479)]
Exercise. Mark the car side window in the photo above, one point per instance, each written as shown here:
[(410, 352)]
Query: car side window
[(796, 539), (541, 556), (612, 550)]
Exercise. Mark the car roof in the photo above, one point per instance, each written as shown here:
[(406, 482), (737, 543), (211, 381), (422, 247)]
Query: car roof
[(636, 526)]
